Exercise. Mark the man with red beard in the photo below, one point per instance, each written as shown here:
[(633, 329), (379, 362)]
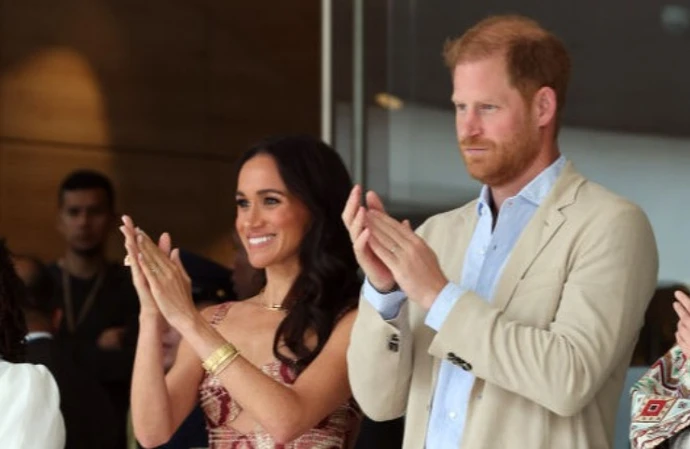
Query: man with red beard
[(99, 303), (509, 322)]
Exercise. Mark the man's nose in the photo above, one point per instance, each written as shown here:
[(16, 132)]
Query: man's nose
[(82, 219), (469, 125)]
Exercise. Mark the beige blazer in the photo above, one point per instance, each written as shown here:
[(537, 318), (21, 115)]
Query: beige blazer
[(549, 352)]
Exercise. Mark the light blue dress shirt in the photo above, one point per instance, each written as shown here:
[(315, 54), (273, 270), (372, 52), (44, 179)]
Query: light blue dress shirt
[(486, 256)]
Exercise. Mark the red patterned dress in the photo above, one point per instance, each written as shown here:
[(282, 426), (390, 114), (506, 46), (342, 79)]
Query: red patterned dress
[(336, 431)]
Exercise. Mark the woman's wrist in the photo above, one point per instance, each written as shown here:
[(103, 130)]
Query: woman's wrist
[(186, 323), (150, 315)]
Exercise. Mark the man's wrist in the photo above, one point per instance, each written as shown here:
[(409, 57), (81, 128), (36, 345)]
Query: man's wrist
[(394, 288)]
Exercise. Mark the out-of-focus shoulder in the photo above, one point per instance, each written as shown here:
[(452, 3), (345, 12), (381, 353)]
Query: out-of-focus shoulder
[(34, 376)]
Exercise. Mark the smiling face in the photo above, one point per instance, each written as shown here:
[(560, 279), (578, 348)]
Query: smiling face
[(497, 133), (271, 222)]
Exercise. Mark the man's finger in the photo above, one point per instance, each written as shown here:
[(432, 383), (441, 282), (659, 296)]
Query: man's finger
[(385, 225), (352, 205), (374, 202), (360, 243), (357, 224), (387, 254)]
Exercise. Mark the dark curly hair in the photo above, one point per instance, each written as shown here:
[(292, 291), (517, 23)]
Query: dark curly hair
[(328, 284), (12, 324)]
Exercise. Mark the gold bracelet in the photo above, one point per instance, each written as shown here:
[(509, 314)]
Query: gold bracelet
[(226, 356), (222, 353), (225, 363)]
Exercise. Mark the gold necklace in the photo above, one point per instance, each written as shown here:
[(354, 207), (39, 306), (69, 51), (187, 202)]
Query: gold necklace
[(271, 307)]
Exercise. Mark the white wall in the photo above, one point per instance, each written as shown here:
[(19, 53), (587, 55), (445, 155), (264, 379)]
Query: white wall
[(426, 169)]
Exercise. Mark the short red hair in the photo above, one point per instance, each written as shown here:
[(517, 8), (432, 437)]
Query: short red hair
[(534, 57)]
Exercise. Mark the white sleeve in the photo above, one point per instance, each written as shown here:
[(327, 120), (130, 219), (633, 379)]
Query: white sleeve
[(30, 399)]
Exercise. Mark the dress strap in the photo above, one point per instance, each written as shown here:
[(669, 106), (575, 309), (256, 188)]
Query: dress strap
[(220, 312)]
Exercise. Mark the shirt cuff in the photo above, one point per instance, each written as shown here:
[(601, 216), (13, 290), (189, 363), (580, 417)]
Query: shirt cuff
[(441, 307), (387, 304)]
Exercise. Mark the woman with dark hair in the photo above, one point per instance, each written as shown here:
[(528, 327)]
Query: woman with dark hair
[(270, 371), (31, 416)]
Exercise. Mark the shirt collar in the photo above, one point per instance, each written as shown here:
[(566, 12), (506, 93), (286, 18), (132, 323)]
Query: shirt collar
[(36, 335), (535, 191)]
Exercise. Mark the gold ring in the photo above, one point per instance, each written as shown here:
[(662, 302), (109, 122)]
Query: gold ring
[(154, 268), (128, 261)]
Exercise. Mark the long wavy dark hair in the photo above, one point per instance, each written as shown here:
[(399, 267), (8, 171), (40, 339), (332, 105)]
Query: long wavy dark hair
[(328, 283), (12, 323)]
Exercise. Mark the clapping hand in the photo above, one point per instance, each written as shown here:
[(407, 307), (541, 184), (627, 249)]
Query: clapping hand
[(682, 308), (158, 275)]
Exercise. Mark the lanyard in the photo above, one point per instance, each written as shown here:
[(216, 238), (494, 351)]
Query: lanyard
[(69, 305)]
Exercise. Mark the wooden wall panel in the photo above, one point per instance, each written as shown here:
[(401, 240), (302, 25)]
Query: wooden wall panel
[(136, 69), (191, 198), (281, 60), (160, 95)]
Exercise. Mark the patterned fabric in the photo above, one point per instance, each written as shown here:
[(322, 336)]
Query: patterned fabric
[(661, 402), (336, 431)]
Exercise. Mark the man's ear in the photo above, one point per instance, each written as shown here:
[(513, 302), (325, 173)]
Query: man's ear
[(545, 106)]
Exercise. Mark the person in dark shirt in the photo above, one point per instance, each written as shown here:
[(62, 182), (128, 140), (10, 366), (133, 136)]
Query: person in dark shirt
[(85, 406), (99, 302)]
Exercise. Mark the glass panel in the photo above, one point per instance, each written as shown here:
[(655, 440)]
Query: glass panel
[(625, 123)]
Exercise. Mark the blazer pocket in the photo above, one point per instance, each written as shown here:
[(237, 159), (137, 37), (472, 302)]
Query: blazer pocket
[(536, 298)]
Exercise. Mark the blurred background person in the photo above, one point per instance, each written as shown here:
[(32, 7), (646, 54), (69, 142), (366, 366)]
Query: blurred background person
[(96, 296), (31, 417), (86, 408)]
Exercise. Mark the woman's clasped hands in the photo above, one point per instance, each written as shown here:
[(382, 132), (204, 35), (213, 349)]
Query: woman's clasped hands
[(158, 275)]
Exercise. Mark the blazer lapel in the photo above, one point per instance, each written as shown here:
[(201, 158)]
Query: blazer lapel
[(541, 229), (454, 259)]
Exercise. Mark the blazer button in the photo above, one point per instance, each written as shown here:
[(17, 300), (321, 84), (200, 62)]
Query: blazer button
[(465, 365), (393, 343)]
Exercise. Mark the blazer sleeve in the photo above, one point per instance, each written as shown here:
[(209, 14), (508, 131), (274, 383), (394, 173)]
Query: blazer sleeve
[(611, 278), (379, 360)]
